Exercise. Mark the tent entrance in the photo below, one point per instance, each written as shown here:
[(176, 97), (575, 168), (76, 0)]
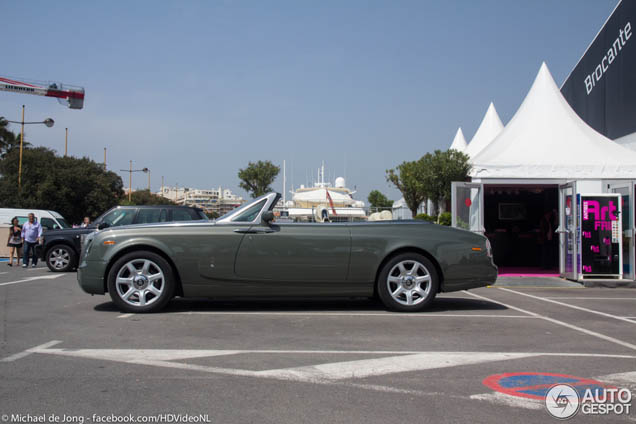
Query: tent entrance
[(521, 222)]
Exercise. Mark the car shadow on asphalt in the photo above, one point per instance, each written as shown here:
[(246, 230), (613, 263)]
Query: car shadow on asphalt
[(352, 305)]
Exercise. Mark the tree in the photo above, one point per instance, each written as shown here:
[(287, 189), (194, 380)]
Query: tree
[(8, 139), (408, 177), (378, 200), (257, 177), (145, 197), (71, 186), (440, 169)]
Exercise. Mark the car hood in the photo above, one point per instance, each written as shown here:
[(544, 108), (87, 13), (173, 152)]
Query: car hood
[(69, 231)]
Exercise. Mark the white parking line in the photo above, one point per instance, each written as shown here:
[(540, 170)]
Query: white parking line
[(593, 298), (389, 363), (28, 352), (125, 315), (349, 314), (626, 378), (592, 311), (561, 323), (44, 277)]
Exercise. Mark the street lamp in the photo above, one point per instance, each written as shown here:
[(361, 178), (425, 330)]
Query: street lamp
[(48, 122), (130, 171)]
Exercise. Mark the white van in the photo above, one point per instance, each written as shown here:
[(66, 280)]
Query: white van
[(50, 220)]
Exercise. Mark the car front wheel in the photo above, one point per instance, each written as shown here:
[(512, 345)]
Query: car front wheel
[(61, 258), (141, 282), (408, 283)]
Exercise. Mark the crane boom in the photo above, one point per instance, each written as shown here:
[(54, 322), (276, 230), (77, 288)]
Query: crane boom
[(72, 96)]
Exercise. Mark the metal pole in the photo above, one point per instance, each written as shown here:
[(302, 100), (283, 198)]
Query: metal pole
[(149, 181), (130, 183), (162, 185), (66, 143), (21, 144), (104, 158)]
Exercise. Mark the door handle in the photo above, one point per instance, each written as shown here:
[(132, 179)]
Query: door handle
[(254, 230), (262, 230)]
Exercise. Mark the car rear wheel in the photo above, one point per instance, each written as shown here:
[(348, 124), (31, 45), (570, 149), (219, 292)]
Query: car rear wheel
[(61, 258), (141, 282), (408, 283)]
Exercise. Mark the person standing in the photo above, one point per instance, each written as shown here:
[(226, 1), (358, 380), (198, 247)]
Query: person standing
[(31, 233), (15, 241), (86, 222)]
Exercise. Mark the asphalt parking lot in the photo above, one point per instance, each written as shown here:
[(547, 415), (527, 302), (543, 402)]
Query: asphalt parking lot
[(65, 353)]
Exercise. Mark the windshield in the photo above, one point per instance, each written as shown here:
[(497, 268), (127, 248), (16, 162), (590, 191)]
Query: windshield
[(242, 208), (250, 213), (63, 223)]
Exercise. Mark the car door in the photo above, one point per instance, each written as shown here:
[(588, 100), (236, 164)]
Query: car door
[(302, 253)]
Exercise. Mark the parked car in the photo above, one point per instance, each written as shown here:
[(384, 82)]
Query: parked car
[(61, 248), (50, 220), (246, 254)]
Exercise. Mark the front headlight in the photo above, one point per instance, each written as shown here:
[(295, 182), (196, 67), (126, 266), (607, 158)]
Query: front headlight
[(488, 248)]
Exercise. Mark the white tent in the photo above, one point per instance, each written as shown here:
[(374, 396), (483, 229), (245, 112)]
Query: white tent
[(547, 139), (489, 128), (401, 210), (459, 142)]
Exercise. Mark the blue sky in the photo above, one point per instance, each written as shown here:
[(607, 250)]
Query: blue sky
[(195, 90)]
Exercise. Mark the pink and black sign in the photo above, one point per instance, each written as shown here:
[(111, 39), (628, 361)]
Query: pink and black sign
[(601, 235)]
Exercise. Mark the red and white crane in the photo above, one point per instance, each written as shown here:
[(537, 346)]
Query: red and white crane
[(68, 95)]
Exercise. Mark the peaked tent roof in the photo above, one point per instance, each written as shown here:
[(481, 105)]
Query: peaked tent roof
[(489, 128), (547, 139), (459, 142)]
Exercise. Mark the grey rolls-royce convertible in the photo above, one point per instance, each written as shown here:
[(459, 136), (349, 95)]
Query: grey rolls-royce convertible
[(246, 253)]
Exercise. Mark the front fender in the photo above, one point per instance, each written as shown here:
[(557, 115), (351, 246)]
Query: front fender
[(136, 243)]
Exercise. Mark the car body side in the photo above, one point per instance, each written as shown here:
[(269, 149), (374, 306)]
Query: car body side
[(295, 259)]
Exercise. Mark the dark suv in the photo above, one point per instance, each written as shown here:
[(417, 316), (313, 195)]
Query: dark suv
[(61, 248)]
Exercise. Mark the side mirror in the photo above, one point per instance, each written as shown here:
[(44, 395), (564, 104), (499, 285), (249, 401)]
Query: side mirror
[(267, 217), (103, 225)]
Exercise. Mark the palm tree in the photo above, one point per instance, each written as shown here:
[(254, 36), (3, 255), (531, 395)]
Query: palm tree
[(8, 139)]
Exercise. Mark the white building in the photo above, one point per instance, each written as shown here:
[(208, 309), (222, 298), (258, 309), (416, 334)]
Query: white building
[(218, 200)]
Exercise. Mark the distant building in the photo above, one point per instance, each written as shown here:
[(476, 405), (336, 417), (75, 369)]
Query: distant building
[(218, 200)]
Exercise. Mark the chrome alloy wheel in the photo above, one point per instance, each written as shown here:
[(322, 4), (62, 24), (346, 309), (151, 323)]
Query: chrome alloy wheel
[(59, 258), (140, 282), (409, 282)]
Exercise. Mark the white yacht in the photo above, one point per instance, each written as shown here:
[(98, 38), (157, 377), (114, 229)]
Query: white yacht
[(324, 201)]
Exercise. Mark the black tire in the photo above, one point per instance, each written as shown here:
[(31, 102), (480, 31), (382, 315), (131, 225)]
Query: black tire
[(153, 301), (424, 272), (61, 258)]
